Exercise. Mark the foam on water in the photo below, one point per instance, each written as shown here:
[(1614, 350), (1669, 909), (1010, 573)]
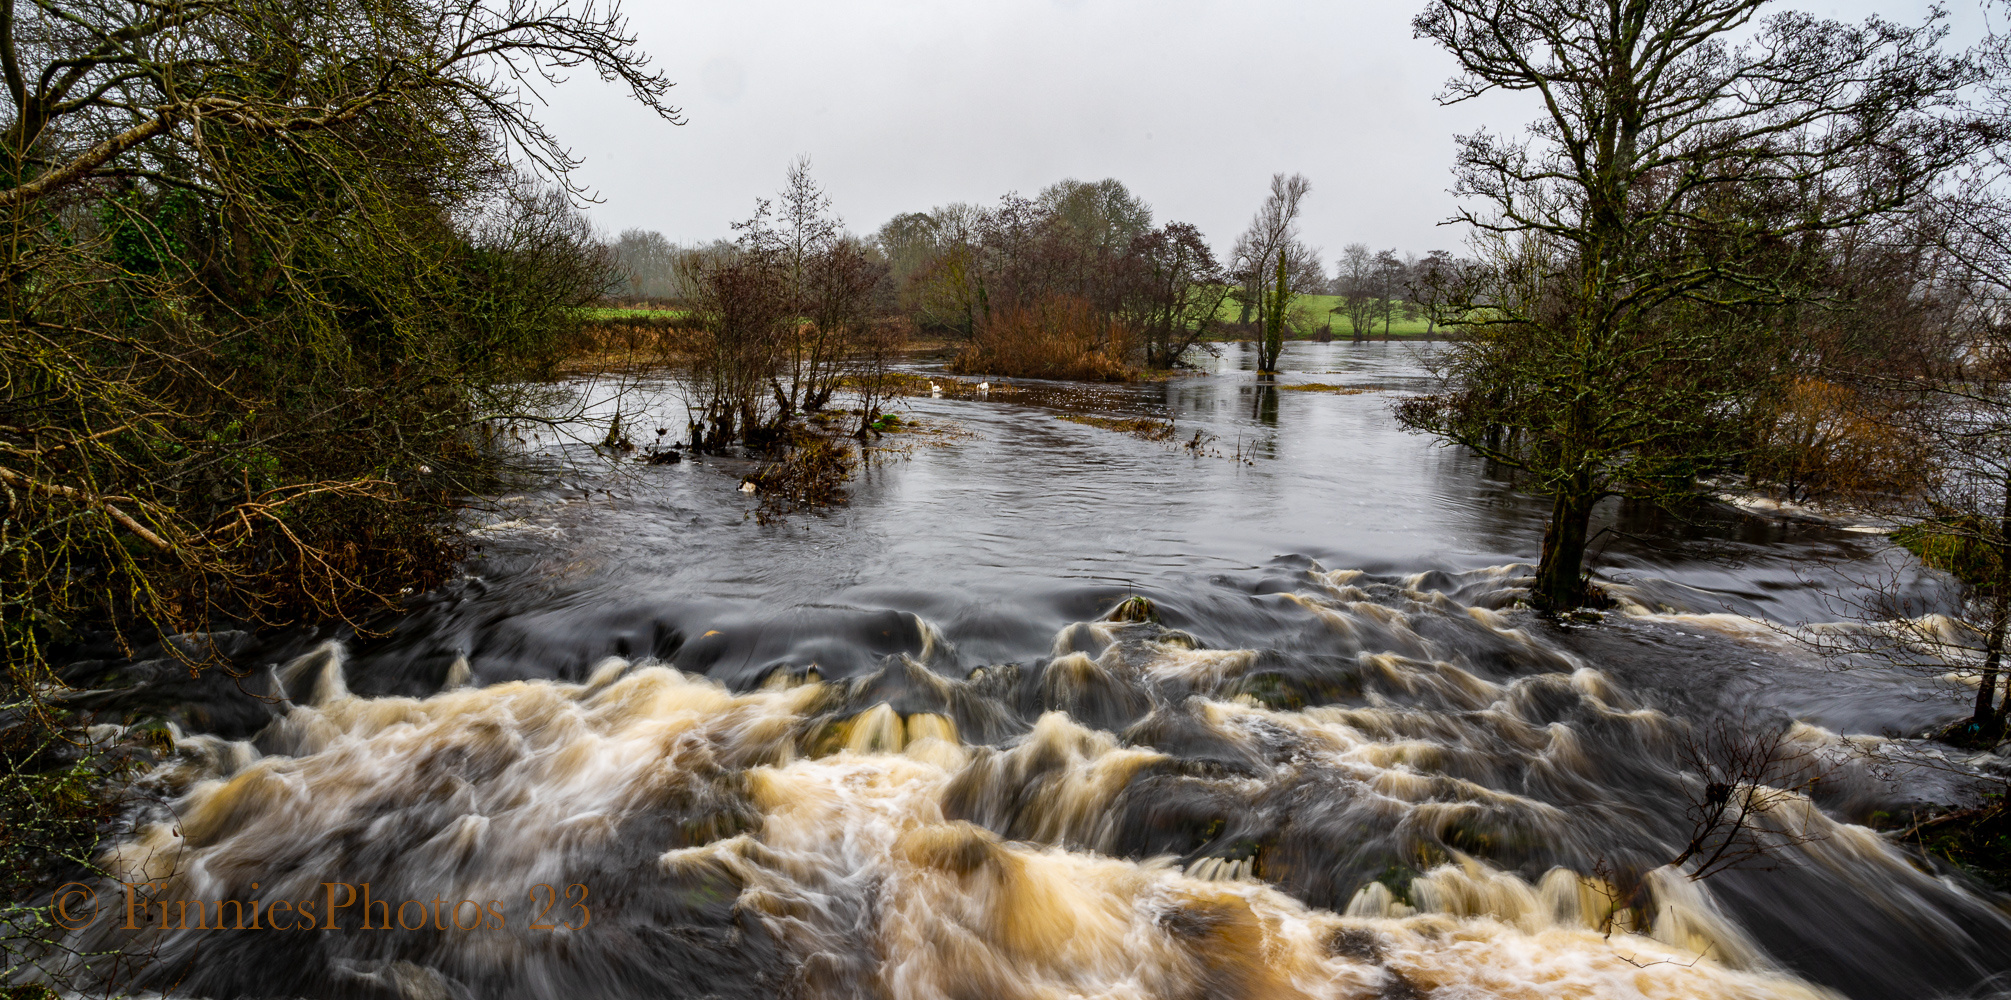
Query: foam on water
[(876, 853)]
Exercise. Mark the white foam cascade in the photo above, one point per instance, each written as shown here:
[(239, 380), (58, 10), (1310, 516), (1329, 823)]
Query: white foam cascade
[(514, 783)]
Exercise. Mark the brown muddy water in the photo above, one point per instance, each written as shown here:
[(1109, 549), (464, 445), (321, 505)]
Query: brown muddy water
[(901, 749)]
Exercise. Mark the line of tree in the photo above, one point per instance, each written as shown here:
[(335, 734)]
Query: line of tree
[(1382, 286), (1078, 282)]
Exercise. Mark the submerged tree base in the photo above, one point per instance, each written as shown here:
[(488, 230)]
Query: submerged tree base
[(1975, 840)]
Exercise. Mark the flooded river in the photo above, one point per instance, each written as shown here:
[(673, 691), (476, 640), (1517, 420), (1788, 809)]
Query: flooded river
[(920, 745)]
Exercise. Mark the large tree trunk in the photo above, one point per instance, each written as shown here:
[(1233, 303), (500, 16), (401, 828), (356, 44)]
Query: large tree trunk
[(1560, 576)]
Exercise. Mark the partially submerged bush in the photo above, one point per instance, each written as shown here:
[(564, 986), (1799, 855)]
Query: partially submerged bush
[(1059, 337), (811, 474), (1143, 427)]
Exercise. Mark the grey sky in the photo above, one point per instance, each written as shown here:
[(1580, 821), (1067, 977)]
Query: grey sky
[(903, 105)]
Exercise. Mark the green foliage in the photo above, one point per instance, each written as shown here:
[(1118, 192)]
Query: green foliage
[(269, 267), (58, 792), (1306, 313), (1976, 840), (1966, 547)]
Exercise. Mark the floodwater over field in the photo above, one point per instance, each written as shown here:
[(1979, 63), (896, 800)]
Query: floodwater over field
[(903, 748)]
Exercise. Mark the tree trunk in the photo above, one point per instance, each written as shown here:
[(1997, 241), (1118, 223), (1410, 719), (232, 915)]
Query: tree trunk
[(1985, 719), (1560, 576), (1989, 717)]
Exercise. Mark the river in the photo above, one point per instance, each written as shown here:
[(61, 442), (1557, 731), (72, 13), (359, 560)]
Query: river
[(901, 748)]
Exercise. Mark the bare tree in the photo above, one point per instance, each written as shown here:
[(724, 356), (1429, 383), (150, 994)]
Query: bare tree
[(796, 234), (1389, 275), (745, 312), (1648, 200), (1177, 290), (1429, 283), (648, 265), (1257, 252), (1356, 283), (876, 349)]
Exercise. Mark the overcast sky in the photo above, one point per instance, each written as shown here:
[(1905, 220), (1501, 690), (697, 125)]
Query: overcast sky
[(907, 104)]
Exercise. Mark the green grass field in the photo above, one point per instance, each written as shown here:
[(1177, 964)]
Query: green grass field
[(609, 313), (1310, 312)]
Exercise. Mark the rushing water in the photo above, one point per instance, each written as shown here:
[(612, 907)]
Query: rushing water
[(901, 748)]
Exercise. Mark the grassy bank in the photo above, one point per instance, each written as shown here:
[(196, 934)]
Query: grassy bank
[(609, 314), (1309, 313)]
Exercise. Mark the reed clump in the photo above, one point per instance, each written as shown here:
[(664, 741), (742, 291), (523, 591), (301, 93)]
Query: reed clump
[(1057, 337), (1140, 427), (811, 473)]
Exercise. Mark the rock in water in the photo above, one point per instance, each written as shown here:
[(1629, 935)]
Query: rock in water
[(1135, 609)]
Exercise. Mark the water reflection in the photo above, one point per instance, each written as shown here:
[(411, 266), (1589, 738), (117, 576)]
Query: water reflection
[(1263, 396), (1017, 503)]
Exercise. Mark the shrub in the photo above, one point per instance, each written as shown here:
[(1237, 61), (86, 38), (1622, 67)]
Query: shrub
[(1059, 337), (1827, 440), (811, 474)]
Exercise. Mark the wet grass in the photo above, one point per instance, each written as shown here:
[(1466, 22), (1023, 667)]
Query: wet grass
[(1315, 311), (605, 314), (1338, 390), (1139, 427)]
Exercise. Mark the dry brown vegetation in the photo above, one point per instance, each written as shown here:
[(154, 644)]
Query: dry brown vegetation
[(1058, 337), (629, 342), (1826, 439), (811, 474), (1140, 427)]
